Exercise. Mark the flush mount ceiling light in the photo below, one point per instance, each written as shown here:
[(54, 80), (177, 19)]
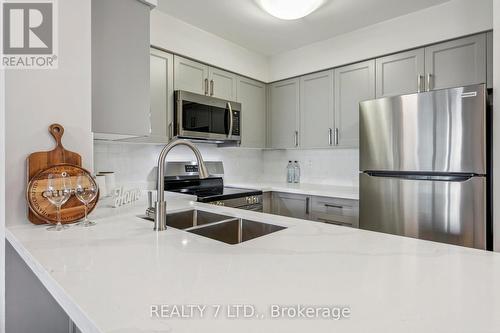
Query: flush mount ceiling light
[(290, 9)]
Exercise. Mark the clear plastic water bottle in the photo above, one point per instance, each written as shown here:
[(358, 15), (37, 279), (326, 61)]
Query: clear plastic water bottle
[(290, 171), (296, 172)]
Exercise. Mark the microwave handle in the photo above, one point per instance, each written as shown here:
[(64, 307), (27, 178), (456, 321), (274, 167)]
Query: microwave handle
[(230, 120)]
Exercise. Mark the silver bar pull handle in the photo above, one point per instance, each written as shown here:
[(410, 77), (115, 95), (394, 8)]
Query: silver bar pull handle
[(211, 87), (334, 206), (334, 222), (330, 137), (419, 83), (307, 205), (296, 138), (429, 76), (206, 86), (170, 131), (231, 120), (336, 136)]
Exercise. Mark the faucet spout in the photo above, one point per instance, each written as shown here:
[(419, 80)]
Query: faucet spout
[(161, 204)]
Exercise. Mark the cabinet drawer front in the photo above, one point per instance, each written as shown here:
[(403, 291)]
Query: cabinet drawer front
[(336, 211), (349, 221)]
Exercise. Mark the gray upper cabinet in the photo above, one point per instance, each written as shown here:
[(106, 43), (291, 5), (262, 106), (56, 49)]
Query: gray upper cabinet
[(191, 76), (456, 63), (120, 69), (284, 115), (316, 110), (222, 84), (401, 73), (489, 59), (252, 96), (353, 84), (202, 79), (162, 98)]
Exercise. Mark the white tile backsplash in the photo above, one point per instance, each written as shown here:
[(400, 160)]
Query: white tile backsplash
[(318, 166), (134, 164)]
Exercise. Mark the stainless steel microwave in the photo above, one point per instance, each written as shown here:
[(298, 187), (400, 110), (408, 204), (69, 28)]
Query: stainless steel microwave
[(208, 118)]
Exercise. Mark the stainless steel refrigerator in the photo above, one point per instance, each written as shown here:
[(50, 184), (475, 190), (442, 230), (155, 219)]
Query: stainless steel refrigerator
[(424, 166)]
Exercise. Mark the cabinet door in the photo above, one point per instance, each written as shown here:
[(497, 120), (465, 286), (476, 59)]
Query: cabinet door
[(353, 84), (400, 74), (456, 63), (222, 84), (316, 110), (284, 110), (291, 205), (120, 69), (190, 75), (252, 96), (489, 59), (162, 94), (162, 98)]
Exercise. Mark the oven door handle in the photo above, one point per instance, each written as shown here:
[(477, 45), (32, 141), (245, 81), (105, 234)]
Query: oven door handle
[(230, 120)]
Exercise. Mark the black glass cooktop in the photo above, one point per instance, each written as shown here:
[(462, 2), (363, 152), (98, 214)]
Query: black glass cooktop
[(207, 190)]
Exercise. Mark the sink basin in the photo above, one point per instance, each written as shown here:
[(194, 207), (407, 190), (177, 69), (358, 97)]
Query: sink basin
[(192, 218), (236, 231)]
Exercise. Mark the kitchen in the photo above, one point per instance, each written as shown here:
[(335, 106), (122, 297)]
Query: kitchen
[(304, 93)]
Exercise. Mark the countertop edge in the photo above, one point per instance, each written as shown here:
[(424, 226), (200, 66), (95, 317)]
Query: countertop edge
[(351, 193), (79, 318)]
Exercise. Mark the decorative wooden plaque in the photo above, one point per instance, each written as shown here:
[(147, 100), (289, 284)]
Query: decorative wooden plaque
[(72, 211)]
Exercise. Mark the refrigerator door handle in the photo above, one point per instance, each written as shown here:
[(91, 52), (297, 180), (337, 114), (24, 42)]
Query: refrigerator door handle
[(430, 177)]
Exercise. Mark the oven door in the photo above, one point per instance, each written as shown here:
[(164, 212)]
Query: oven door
[(203, 117)]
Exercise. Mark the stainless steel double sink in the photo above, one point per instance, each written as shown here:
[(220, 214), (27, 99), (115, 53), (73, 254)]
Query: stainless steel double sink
[(227, 229)]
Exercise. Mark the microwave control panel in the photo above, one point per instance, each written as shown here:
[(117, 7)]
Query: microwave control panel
[(236, 123)]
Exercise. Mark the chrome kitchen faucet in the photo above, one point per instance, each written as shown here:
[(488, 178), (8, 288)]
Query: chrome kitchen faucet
[(161, 204)]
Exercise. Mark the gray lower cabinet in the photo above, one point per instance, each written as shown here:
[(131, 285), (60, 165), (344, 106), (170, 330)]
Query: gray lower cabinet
[(162, 98), (291, 205), (222, 84), (401, 73), (190, 75), (353, 84), (284, 114), (120, 69), (252, 96), (316, 110), (456, 63), (336, 211)]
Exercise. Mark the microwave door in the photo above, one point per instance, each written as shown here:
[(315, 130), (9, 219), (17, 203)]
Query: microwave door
[(206, 118)]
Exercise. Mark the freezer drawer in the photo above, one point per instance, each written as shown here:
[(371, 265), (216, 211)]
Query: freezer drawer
[(436, 131), (451, 212)]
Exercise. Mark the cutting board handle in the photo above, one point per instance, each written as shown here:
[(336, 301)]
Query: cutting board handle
[(57, 132)]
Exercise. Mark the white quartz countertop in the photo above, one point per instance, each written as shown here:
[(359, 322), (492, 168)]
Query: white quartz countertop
[(108, 276), (333, 191)]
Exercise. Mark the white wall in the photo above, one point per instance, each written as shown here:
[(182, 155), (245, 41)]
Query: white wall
[(182, 38), (449, 20), (496, 123), (37, 98)]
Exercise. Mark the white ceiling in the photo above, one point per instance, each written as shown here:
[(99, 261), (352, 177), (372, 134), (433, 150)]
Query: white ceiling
[(245, 23)]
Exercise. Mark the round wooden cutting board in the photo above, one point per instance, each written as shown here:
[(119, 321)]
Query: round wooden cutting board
[(72, 211)]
